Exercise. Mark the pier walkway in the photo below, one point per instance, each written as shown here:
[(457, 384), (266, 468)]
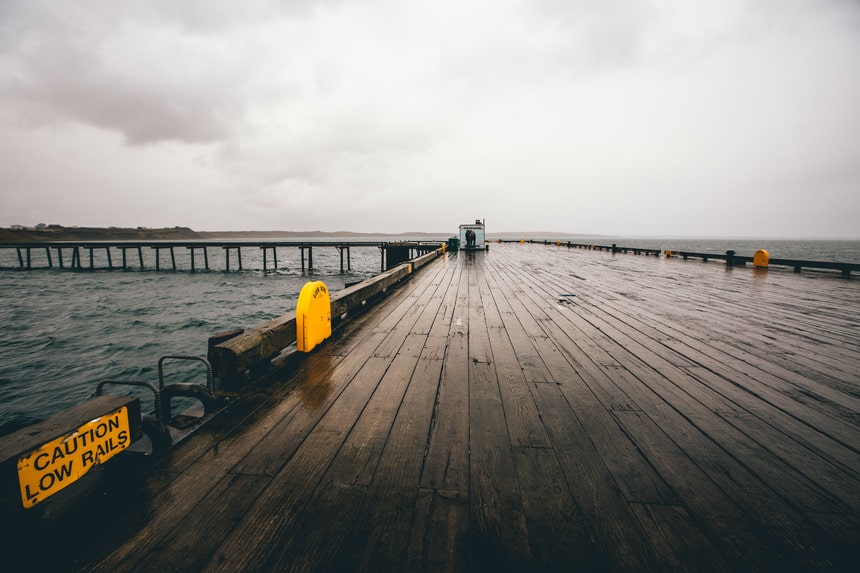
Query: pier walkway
[(535, 408)]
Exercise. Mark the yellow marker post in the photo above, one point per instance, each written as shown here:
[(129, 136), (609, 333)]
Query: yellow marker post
[(761, 258), (313, 316)]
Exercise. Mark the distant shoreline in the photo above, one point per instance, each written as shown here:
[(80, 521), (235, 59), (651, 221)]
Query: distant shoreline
[(59, 233), (19, 234)]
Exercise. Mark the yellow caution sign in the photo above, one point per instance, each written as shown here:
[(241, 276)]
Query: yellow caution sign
[(64, 460), (761, 258), (313, 316)]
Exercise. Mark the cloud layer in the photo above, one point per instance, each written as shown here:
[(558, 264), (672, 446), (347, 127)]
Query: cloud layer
[(699, 118)]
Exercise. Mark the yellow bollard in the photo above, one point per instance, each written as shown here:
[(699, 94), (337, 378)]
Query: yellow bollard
[(313, 316), (761, 258)]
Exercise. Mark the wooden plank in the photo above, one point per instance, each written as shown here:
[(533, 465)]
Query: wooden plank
[(392, 495), (499, 532), (720, 519), (439, 538), (182, 492), (586, 394), (617, 536), (254, 541), (198, 534), (678, 540), (523, 419), (697, 403), (731, 527), (446, 465), (324, 536), (355, 462), (513, 313), (558, 538)]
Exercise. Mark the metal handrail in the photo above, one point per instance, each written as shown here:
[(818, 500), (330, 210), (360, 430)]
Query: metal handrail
[(138, 383), (210, 379)]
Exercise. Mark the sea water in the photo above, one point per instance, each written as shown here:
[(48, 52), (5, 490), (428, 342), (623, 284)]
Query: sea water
[(64, 331)]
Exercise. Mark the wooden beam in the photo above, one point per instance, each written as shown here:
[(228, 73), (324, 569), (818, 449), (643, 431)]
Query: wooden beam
[(239, 359)]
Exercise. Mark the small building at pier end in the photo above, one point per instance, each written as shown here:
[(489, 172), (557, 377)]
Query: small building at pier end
[(472, 236)]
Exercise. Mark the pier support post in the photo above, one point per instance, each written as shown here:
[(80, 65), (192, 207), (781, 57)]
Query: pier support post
[(205, 258), (110, 261), (265, 256), (60, 256), (173, 258), (192, 258), (140, 256), (48, 254), (124, 258)]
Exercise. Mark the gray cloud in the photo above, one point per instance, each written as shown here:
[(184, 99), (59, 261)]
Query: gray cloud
[(575, 116)]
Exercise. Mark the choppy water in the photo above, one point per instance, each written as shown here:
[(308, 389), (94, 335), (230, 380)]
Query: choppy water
[(64, 331)]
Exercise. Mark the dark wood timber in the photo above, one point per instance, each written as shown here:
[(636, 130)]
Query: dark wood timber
[(241, 358), (531, 408)]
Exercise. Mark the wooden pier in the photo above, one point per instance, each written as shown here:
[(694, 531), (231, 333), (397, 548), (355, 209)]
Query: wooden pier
[(524, 409), (38, 255)]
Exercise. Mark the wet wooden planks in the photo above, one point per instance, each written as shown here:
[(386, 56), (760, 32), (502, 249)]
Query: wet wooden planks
[(670, 415)]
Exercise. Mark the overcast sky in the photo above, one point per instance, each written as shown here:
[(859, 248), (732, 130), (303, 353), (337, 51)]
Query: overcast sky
[(652, 117)]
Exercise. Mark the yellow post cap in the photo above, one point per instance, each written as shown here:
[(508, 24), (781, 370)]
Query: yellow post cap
[(761, 258), (313, 316)]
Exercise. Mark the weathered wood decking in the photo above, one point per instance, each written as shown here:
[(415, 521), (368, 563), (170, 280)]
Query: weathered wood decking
[(670, 415)]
